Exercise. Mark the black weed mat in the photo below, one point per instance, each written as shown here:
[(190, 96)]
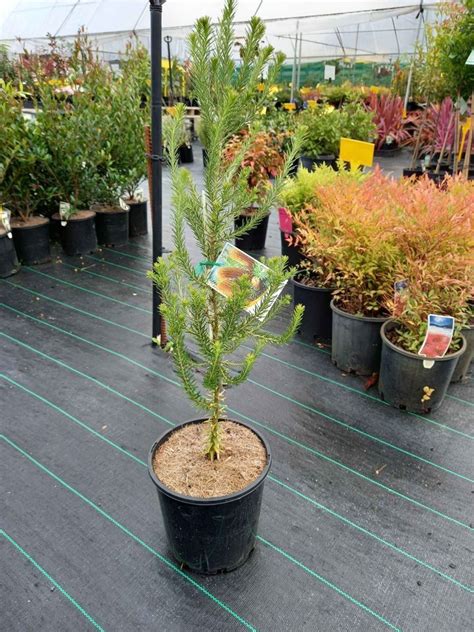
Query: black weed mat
[(367, 515)]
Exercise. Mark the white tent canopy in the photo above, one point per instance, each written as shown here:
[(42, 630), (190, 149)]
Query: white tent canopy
[(367, 29)]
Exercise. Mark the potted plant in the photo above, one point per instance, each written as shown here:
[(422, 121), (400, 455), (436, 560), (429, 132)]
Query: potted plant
[(8, 260), (69, 132), (261, 161), (210, 491), (391, 129), (23, 158), (363, 249), (315, 230), (322, 127), (434, 235), (464, 363), (129, 112), (185, 153)]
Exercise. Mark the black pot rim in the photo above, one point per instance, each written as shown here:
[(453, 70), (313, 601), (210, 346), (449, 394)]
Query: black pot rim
[(390, 324), (74, 217), (116, 211), (370, 319), (133, 201), (312, 288), (319, 157), (214, 500), (30, 227)]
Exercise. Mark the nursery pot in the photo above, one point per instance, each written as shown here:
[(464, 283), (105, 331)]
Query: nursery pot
[(186, 154), (310, 163), (111, 225), (78, 236), (294, 254), (417, 172), (210, 535), (316, 323), (31, 240), (137, 218), (255, 238), (403, 375), (8, 260), (462, 367), (356, 344)]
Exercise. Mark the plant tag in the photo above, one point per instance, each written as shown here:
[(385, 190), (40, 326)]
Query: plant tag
[(285, 220), (138, 195), (329, 72), (356, 152), (438, 338), (232, 264), (123, 205), (400, 296), (64, 212), (5, 216)]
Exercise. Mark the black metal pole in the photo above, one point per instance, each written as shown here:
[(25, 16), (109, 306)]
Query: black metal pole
[(168, 39), (156, 150)]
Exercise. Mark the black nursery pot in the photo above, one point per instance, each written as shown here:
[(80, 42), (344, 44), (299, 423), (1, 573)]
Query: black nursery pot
[(8, 260), (311, 163), (403, 376), (78, 236), (356, 343), (255, 238), (464, 362), (112, 226), (294, 254), (417, 172), (210, 535), (137, 218), (316, 323), (31, 240), (186, 154)]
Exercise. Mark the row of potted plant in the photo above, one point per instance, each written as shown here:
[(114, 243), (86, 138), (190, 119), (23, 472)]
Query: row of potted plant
[(72, 171), (357, 237)]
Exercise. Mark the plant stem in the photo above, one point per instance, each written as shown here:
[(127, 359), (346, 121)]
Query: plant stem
[(214, 429)]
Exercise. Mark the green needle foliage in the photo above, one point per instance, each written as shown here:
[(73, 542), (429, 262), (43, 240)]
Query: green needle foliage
[(217, 326)]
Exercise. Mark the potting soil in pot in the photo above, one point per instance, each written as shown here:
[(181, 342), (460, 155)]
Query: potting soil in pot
[(181, 465)]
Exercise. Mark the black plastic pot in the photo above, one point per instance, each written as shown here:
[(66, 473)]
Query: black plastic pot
[(186, 154), (317, 317), (417, 172), (388, 151), (78, 236), (111, 226), (137, 218), (210, 535), (311, 163), (356, 343), (403, 376), (8, 260), (31, 240), (464, 362), (255, 238), (294, 254)]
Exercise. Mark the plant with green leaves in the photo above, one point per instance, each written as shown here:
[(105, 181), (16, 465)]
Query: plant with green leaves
[(217, 326), (323, 130), (23, 157)]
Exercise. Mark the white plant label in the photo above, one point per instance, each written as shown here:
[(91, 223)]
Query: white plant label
[(64, 212), (123, 205), (5, 216), (138, 195)]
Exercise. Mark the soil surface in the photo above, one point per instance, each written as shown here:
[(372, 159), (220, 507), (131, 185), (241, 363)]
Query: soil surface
[(310, 281), (395, 340), (180, 462), (79, 215), (31, 222)]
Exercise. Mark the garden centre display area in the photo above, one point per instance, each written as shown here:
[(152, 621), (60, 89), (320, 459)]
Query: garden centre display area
[(339, 376)]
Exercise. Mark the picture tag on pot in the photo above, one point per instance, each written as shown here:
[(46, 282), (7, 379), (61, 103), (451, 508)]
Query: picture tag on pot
[(5, 215), (285, 221), (138, 195), (64, 212), (123, 205), (438, 338), (400, 295), (232, 264)]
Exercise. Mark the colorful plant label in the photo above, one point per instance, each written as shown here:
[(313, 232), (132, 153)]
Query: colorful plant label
[(400, 296), (285, 220), (234, 263), (438, 336)]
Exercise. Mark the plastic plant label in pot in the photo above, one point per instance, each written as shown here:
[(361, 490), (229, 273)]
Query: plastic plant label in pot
[(285, 220), (64, 212), (437, 339), (5, 216)]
